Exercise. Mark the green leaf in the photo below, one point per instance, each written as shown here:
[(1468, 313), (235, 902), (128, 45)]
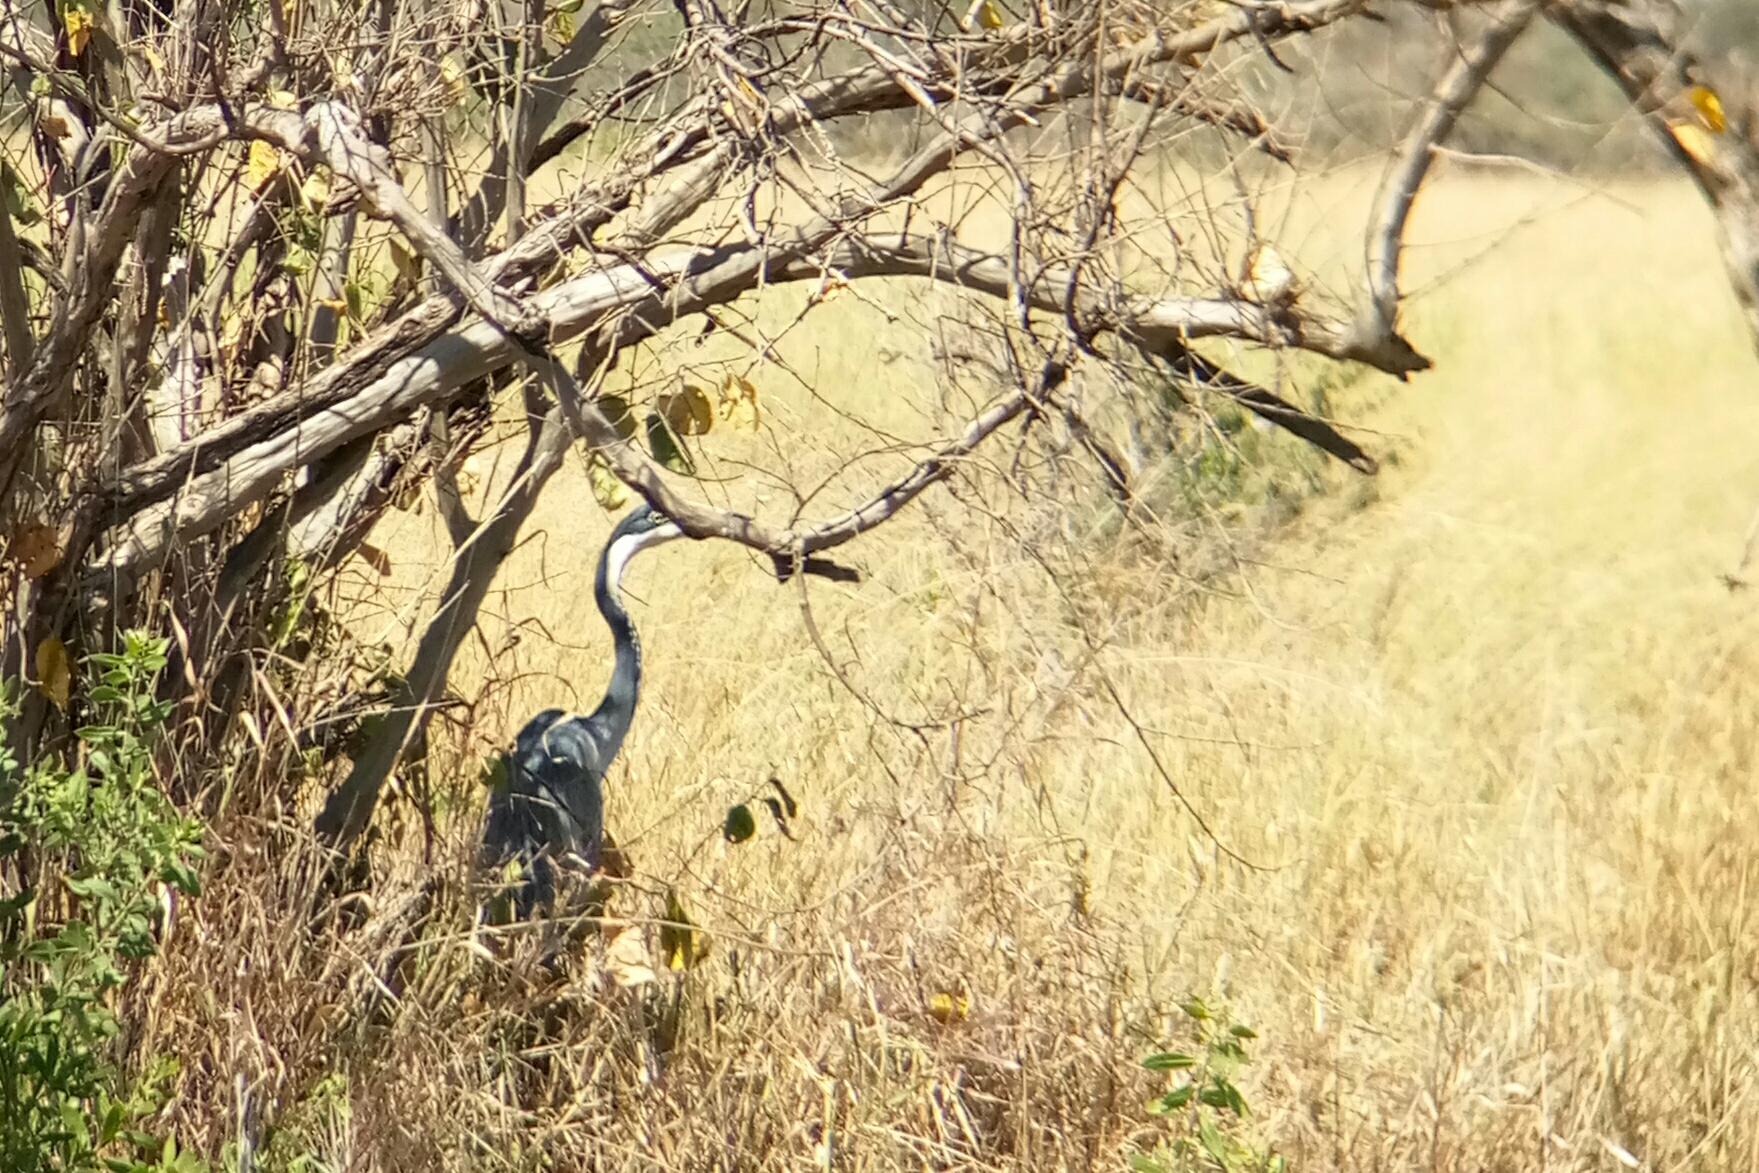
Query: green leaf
[(182, 877), (666, 448), (1242, 1032), (18, 201), (92, 888), (1175, 1099), (1169, 1061), (72, 1118), (112, 1125), (740, 825), (10, 843), (615, 409), (494, 774), (1196, 1009), (610, 492), (1210, 1137), (1143, 1163)]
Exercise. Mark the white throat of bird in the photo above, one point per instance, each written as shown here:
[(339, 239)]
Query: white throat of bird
[(629, 545)]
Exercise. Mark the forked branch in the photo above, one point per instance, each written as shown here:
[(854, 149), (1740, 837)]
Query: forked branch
[(1377, 330)]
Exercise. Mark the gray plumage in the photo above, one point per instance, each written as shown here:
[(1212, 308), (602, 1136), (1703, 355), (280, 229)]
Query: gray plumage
[(552, 809)]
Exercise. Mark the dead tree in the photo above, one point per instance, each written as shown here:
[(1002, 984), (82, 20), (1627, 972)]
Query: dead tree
[(263, 265)]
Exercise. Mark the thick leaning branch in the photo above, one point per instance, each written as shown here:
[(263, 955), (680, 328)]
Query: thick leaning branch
[(349, 807), (1377, 329), (640, 300), (686, 147), (35, 385)]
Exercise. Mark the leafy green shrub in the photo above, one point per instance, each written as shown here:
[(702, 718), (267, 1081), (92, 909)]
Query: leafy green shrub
[(1208, 1112), (85, 846)]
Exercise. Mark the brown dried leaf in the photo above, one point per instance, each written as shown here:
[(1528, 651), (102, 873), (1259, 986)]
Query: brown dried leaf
[(54, 673), (34, 549), (689, 412)]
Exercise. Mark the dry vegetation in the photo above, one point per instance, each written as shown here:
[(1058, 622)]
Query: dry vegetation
[(1474, 742)]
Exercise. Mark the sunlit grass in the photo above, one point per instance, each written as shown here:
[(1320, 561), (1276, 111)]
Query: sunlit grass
[(1474, 746)]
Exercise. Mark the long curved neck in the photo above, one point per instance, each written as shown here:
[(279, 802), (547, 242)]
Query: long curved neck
[(617, 710)]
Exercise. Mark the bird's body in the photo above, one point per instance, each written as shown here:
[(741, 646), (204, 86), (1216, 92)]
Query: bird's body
[(552, 809)]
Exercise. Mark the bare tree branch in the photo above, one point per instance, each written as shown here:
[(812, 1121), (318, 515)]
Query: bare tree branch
[(350, 806), (1377, 329), (14, 308), (1642, 44)]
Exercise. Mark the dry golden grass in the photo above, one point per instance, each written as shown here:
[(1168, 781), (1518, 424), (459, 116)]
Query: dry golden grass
[(1475, 746)]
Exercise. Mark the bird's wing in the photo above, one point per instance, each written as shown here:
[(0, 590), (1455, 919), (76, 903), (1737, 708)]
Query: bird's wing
[(571, 779), (512, 828)]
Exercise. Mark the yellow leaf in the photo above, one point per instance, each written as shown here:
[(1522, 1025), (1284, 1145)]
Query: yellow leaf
[(1694, 140), (983, 13), (283, 99), (452, 74), (947, 1008), (407, 264), (315, 191), (78, 23), (611, 493), (1709, 106), (689, 412), (153, 58), (54, 674), (35, 549), (682, 943), (562, 27), (739, 403), (262, 165)]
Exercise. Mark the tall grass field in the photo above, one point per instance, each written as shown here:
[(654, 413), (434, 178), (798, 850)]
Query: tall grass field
[(1439, 785)]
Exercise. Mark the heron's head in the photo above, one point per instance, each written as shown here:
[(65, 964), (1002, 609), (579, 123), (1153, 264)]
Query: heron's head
[(643, 527)]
